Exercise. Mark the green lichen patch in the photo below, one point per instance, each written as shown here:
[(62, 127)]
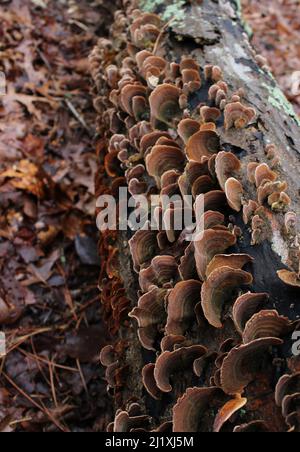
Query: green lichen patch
[(278, 100), (174, 11)]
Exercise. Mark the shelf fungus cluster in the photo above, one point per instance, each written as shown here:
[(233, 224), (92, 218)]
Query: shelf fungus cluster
[(214, 348)]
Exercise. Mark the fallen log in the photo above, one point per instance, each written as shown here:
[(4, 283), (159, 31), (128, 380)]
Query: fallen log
[(187, 107)]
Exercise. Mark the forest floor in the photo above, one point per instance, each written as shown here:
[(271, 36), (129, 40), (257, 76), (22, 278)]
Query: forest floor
[(50, 378)]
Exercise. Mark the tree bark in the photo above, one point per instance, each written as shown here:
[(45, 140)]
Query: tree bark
[(212, 32)]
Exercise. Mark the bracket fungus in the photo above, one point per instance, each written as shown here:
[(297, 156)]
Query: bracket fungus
[(164, 103), (143, 247), (238, 115), (149, 381), (191, 407), (169, 363), (243, 363), (246, 306), (181, 302), (267, 324), (150, 315), (289, 278), (227, 411), (227, 164), (204, 143), (234, 193), (212, 242), (237, 261), (163, 270), (218, 289)]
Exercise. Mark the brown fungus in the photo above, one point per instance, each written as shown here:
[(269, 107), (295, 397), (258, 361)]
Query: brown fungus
[(243, 363), (237, 261), (218, 289), (187, 128), (264, 174), (162, 159), (287, 385), (246, 306), (150, 315), (211, 243), (164, 103), (191, 407), (289, 278), (227, 164), (169, 363), (163, 270), (266, 324), (181, 302), (202, 144), (238, 115), (209, 114), (143, 247), (234, 193), (149, 382), (227, 411)]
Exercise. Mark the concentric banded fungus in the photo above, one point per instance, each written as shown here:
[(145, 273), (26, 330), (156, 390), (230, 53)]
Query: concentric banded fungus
[(218, 289), (287, 385), (238, 115), (227, 411), (266, 324), (149, 381), (237, 261), (213, 200), (253, 427), (124, 423), (209, 114), (187, 267), (203, 184), (293, 421), (189, 410), (162, 159), (150, 139), (269, 188), (143, 247), (226, 165), (291, 404), (212, 243), (243, 363), (164, 103), (150, 315), (213, 220), (289, 278), (169, 363), (234, 193), (187, 128), (246, 306), (145, 30), (128, 94), (163, 269), (172, 342), (279, 201), (251, 168), (249, 211), (264, 174), (181, 303), (202, 144)]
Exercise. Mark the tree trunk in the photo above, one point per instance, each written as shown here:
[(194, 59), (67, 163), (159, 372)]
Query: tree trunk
[(212, 33)]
